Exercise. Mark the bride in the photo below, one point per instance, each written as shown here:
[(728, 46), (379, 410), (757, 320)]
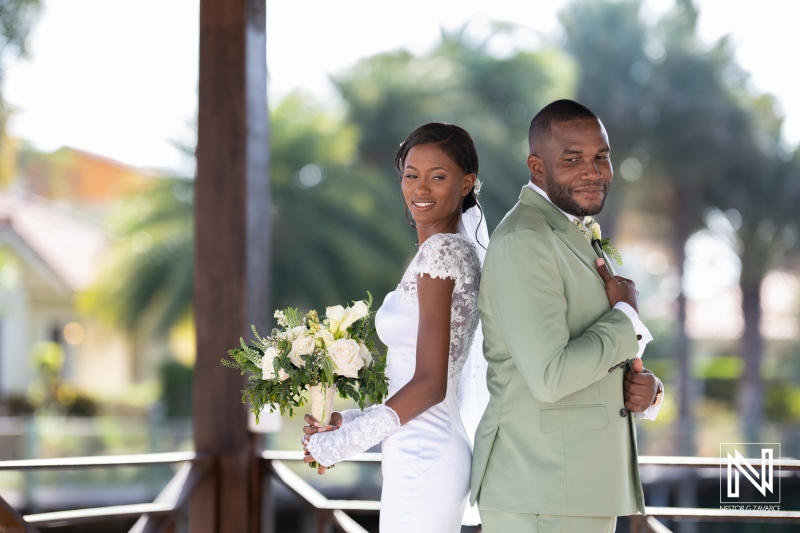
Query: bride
[(429, 326)]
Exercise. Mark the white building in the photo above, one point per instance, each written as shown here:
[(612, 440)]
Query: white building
[(48, 255)]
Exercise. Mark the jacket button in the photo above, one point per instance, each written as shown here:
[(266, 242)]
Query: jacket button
[(623, 412)]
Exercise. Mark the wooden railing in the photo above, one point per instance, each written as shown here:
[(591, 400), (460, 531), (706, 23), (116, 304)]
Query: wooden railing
[(164, 512), (326, 512), (639, 524), (154, 517)]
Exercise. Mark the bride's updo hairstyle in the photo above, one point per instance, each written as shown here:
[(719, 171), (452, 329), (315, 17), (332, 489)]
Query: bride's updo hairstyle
[(454, 141)]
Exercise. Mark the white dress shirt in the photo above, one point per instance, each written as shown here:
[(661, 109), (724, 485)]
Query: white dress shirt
[(642, 333)]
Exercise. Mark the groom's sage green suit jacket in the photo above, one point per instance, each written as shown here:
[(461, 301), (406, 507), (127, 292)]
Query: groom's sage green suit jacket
[(553, 439)]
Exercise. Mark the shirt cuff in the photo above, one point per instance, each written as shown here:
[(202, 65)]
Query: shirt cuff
[(652, 412), (638, 326)]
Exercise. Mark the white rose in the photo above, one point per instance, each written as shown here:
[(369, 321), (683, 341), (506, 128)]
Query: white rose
[(346, 357), (301, 346), (299, 332), (267, 367), (326, 336), (335, 316), (352, 314), (365, 353), (592, 224)]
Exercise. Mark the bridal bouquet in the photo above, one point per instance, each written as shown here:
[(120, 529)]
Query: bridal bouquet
[(321, 356)]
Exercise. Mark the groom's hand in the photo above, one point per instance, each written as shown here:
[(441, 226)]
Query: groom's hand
[(639, 388), (618, 289)]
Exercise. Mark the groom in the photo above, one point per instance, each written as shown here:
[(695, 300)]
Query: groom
[(556, 447)]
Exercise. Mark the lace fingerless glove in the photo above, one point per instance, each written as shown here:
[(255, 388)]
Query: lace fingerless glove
[(350, 415), (356, 435)]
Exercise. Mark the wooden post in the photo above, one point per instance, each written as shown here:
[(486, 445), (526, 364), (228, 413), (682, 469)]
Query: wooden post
[(232, 206)]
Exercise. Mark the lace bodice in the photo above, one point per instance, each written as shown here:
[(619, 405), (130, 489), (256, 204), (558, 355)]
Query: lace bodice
[(449, 255)]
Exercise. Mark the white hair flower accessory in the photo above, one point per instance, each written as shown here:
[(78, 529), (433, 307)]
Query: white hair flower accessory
[(476, 187)]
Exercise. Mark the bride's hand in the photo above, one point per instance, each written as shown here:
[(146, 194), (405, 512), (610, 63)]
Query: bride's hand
[(313, 426), (309, 459)]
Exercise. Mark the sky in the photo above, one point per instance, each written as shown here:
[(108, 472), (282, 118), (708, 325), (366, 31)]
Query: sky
[(119, 79)]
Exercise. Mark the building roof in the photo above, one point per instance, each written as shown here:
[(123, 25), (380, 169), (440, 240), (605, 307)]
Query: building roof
[(89, 182), (67, 242)]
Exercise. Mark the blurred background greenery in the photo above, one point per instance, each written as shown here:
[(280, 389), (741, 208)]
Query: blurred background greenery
[(96, 257)]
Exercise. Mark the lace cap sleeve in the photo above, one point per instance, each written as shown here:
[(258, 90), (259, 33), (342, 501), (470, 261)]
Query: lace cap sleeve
[(444, 255)]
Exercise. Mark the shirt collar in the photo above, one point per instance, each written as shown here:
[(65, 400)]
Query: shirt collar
[(536, 188)]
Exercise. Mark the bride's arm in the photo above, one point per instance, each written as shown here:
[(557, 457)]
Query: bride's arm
[(426, 388), (429, 384)]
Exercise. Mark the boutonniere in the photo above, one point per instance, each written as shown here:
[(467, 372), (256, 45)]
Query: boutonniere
[(605, 244)]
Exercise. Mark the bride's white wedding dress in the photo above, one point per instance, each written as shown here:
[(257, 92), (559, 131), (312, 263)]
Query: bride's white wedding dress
[(426, 462)]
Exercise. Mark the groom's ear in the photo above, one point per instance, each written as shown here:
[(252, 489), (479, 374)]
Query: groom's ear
[(536, 166)]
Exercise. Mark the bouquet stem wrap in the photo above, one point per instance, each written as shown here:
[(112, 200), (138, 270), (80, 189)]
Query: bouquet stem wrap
[(321, 397)]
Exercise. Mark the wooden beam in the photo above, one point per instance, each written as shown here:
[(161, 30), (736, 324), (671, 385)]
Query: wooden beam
[(723, 515), (12, 522), (97, 514), (711, 462), (297, 455), (646, 524), (314, 498), (231, 248), (103, 461), (175, 494), (326, 512)]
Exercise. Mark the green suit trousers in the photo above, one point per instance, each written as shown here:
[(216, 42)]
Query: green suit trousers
[(493, 522)]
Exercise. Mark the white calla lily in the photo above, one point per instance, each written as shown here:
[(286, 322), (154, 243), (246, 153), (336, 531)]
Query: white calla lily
[(335, 315), (326, 336)]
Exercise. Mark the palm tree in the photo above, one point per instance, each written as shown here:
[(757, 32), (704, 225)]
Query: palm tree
[(147, 277), (338, 227), (659, 92), (759, 198), (460, 81), (337, 230)]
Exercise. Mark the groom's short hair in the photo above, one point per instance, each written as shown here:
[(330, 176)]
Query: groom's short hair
[(558, 111)]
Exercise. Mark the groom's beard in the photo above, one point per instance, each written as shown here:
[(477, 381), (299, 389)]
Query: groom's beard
[(562, 198)]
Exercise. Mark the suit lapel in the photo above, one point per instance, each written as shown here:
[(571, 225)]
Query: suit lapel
[(563, 228), (604, 256)]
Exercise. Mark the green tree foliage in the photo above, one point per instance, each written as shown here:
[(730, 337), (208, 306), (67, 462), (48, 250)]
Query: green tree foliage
[(681, 114), (17, 18), (759, 199), (684, 126), (146, 278), (664, 98), (459, 81), (338, 227), (337, 230)]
